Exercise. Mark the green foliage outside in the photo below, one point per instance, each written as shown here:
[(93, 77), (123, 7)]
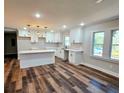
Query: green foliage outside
[(115, 45), (99, 41)]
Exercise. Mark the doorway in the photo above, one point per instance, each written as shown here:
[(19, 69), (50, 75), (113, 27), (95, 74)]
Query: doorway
[(10, 44)]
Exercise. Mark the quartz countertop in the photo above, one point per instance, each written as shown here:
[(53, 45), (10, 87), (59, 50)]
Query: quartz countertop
[(36, 51), (75, 50)]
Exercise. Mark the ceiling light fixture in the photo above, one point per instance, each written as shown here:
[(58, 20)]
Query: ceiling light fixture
[(28, 25), (24, 28), (38, 26), (82, 24), (64, 26), (52, 31), (45, 27), (37, 15), (99, 1)]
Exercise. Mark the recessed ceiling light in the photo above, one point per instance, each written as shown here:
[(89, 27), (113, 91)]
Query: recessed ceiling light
[(38, 26), (45, 27), (28, 25), (37, 15), (82, 24), (25, 28), (64, 26), (52, 31), (99, 1)]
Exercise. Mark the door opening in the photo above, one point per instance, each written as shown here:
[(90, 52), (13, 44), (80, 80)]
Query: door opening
[(10, 44)]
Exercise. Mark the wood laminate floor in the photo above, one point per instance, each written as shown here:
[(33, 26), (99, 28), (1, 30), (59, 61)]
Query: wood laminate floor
[(60, 77)]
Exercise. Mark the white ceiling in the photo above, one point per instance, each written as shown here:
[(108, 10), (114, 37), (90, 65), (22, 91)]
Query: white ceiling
[(19, 13)]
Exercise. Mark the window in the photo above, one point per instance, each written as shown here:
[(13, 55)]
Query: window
[(115, 44), (67, 41), (98, 42)]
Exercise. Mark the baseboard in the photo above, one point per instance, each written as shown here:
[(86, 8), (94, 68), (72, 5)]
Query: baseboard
[(101, 69)]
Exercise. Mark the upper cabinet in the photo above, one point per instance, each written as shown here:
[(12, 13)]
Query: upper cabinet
[(34, 39), (40, 34), (49, 37), (57, 37), (53, 37), (24, 33), (76, 35)]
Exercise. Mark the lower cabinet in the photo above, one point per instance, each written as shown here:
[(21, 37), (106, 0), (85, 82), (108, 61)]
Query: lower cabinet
[(75, 57), (57, 53), (61, 53)]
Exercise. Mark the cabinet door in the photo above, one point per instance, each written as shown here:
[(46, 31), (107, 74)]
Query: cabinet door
[(62, 54), (76, 35), (72, 36), (77, 58), (49, 37), (52, 37), (57, 37), (57, 53), (24, 33), (44, 34), (73, 58), (70, 56), (34, 38)]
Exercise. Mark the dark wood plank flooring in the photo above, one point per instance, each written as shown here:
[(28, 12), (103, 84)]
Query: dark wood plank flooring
[(60, 77)]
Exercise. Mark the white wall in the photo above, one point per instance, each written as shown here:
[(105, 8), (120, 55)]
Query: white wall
[(103, 14), (106, 66)]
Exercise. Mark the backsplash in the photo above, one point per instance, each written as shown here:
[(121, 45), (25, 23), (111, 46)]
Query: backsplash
[(24, 43), (73, 46), (76, 46)]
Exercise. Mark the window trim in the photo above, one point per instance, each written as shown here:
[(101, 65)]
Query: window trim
[(103, 58), (111, 44), (93, 43)]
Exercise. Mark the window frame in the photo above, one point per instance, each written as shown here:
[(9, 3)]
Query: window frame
[(110, 54), (106, 58), (94, 41)]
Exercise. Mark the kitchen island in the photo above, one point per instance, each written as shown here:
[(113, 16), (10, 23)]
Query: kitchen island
[(32, 58)]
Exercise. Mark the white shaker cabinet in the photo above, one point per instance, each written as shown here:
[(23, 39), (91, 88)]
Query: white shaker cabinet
[(49, 37), (24, 33), (57, 37), (76, 35), (61, 53), (34, 39), (75, 57), (53, 37)]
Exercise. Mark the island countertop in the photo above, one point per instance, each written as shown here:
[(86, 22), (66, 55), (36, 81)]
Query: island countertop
[(36, 51), (36, 57), (75, 50)]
